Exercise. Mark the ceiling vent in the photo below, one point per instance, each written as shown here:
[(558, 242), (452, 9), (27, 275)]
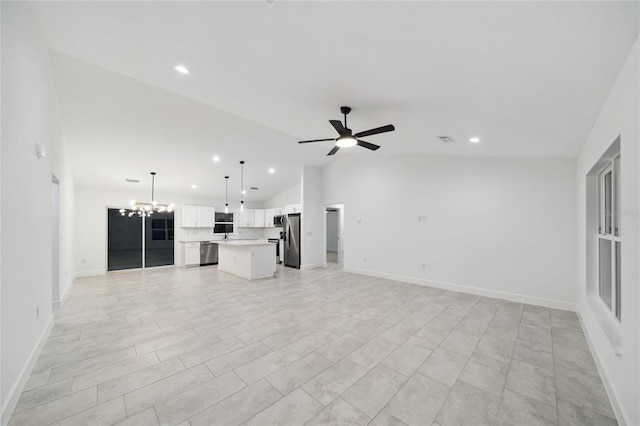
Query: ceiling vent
[(132, 180), (446, 139), (255, 188)]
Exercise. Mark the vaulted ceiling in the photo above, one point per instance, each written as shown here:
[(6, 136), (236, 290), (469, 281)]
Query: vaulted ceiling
[(527, 78)]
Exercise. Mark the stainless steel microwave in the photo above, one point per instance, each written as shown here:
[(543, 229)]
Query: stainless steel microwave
[(278, 220)]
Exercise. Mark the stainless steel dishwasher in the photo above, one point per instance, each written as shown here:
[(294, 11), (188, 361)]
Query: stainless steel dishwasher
[(208, 253)]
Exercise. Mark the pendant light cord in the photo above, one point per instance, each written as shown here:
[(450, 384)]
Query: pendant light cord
[(153, 186)]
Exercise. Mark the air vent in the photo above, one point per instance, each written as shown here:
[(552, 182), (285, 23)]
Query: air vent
[(255, 188), (446, 139), (132, 180)]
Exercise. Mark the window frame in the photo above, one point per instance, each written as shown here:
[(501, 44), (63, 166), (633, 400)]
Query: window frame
[(613, 235)]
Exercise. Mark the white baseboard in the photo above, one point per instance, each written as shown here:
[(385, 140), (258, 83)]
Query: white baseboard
[(313, 266), (617, 409), (513, 297), (16, 390), (57, 304), (93, 273)]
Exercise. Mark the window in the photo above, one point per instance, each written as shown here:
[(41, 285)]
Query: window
[(223, 223), (162, 229), (609, 237)]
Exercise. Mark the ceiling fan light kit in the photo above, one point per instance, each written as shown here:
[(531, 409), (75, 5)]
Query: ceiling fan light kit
[(347, 139), (144, 209)]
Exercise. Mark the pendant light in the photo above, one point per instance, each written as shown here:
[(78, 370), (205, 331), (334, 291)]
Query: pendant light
[(144, 209), (242, 186), (226, 194)]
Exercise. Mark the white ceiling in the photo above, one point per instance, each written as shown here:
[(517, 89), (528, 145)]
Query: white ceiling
[(528, 78)]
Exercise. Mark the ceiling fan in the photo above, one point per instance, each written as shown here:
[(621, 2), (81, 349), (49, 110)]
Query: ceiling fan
[(347, 138)]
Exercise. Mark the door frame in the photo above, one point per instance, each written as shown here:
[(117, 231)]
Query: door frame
[(340, 208)]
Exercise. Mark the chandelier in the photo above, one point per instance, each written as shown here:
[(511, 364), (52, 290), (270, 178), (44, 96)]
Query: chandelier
[(143, 209)]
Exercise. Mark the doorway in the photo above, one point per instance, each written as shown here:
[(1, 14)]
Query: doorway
[(55, 243), (334, 234), (135, 242)]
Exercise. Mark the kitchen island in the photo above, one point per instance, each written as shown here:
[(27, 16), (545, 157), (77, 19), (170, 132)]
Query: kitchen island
[(247, 258)]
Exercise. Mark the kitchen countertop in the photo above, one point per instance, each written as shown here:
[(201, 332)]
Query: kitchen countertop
[(245, 243), (236, 241)]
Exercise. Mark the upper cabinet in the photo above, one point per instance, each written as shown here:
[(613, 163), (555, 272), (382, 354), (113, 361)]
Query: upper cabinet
[(268, 218), (294, 208), (246, 218), (197, 216), (263, 218), (206, 216), (259, 221)]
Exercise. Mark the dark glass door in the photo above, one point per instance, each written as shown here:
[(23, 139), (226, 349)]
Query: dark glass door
[(158, 239), (124, 241)]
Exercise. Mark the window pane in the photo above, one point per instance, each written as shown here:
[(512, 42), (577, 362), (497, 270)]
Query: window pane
[(158, 249), (605, 271), (124, 241), (608, 205), (158, 234), (618, 279)]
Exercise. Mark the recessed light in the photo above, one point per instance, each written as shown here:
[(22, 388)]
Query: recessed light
[(272, 170), (244, 191), (474, 140), (216, 158), (194, 186), (181, 69)]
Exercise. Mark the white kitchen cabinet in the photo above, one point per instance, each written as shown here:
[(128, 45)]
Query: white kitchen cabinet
[(268, 218), (294, 208), (191, 253), (259, 221), (246, 218), (197, 216), (189, 216), (206, 216), (279, 211)]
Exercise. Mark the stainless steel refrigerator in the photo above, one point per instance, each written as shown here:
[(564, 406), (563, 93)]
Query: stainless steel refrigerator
[(292, 241)]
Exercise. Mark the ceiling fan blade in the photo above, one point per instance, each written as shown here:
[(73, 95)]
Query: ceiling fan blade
[(318, 140), (368, 145), (383, 129), (337, 124), (334, 150)]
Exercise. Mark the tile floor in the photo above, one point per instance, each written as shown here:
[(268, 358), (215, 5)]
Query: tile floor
[(202, 347)]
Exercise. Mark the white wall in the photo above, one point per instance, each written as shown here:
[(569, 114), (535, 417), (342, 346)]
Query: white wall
[(29, 115), (502, 227), (333, 227), (619, 116), (91, 225), (312, 238), (292, 195)]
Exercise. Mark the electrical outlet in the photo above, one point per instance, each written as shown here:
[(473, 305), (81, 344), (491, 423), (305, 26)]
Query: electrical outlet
[(424, 266), (364, 259), (83, 260)]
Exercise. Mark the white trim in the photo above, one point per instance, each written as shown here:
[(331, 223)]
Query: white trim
[(57, 304), (92, 273), (513, 297), (617, 409), (16, 390), (312, 266)]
